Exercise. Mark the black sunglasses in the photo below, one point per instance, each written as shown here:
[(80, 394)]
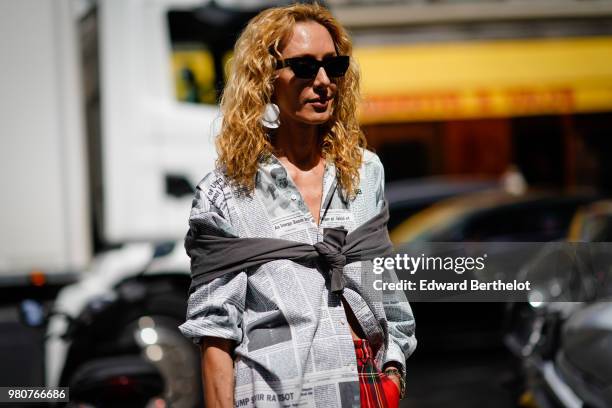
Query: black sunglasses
[(308, 67)]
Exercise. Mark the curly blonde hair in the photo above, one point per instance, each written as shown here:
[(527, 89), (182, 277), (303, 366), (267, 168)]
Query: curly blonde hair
[(243, 140)]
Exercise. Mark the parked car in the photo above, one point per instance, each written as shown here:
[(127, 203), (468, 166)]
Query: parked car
[(562, 337), (592, 223), (407, 197), (536, 216), (489, 216)]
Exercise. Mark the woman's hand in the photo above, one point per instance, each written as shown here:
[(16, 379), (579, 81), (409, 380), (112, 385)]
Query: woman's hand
[(394, 373), (396, 381), (218, 372)]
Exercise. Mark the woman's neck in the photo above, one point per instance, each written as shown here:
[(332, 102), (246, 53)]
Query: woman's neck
[(299, 144)]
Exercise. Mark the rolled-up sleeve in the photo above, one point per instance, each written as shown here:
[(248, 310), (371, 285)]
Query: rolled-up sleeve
[(400, 319), (214, 308), (401, 325)]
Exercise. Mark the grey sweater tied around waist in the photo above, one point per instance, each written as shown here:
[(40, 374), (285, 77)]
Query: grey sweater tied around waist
[(213, 255)]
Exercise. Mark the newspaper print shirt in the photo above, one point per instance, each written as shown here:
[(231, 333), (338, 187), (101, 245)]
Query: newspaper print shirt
[(294, 344)]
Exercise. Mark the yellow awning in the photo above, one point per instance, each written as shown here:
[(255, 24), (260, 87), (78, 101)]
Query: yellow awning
[(485, 79)]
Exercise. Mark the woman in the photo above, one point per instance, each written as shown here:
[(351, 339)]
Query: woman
[(292, 165)]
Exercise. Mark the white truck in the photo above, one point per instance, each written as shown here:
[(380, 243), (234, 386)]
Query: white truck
[(99, 160)]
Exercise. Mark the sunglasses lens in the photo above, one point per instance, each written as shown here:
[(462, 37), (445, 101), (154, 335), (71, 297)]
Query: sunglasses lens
[(337, 66), (304, 68)]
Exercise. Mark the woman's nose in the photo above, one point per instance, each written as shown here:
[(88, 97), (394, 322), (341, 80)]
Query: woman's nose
[(321, 79)]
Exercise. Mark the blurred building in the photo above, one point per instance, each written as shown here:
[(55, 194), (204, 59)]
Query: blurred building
[(472, 86)]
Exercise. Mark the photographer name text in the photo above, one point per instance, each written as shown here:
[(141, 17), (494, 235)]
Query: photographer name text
[(433, 285)]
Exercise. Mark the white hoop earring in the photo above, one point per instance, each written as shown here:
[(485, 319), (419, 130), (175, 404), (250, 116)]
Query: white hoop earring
[(271, 116)]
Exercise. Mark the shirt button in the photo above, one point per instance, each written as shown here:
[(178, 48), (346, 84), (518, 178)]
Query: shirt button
[(342, 321), (293, 197)]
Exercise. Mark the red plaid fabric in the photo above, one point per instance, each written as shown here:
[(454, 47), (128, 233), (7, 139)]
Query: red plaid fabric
[(376, 389)]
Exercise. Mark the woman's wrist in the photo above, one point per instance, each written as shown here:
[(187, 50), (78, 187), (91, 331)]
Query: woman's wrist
[(393, 370)]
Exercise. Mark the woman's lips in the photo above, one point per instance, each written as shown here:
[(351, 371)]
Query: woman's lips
[(319, 103)]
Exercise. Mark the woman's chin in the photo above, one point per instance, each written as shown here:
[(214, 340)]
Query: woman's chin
[(316, 118)]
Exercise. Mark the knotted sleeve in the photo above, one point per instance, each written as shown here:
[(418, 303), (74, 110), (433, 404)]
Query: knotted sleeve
[(214, 308)]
